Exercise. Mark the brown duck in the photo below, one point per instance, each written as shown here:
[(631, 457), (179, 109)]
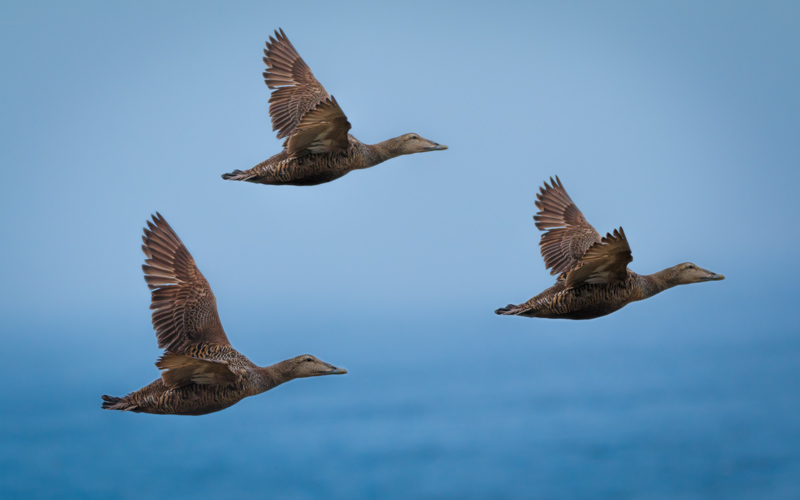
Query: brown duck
[(202, 372), (318, 148), (594, 276)]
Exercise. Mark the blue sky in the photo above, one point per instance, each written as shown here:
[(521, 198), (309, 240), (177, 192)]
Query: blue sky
[(677, 121)]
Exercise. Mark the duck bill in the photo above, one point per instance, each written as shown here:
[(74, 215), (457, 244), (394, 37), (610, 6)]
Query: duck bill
[(714, 277), (335, 371), (437, 147)]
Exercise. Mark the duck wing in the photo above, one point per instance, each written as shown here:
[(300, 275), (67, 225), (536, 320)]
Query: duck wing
[(568, 235), (184, 307), (183, 370), (296, 91), (322, 130), (604, 262)]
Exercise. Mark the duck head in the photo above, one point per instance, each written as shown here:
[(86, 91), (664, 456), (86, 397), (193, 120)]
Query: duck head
[(309, 366), (413, 143), (686, 273)]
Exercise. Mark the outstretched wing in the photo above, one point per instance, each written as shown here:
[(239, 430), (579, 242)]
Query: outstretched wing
[(296, 90), (184, 307), (604, 262), (568, 235), (183, 370), (322, 130)]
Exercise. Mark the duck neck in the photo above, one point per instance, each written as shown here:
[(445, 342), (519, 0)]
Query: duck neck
[(379, 153), (272, 376), (655, 283)]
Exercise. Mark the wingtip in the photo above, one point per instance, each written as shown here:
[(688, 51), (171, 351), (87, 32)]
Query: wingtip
[(278, 36), (554, 183), (617, 234)]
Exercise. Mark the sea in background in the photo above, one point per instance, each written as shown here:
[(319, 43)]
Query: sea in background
[(678, 121), (432, 408)]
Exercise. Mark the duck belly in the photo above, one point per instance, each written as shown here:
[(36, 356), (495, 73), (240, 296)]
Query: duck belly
[(306, 171), (587, 312), (585, 302), (192, 399)]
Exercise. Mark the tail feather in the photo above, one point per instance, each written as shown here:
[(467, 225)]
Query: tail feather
[(514, 310), (236, 175), (115, 403)]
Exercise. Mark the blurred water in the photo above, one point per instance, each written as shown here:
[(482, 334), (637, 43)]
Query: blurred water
[(464, 411)]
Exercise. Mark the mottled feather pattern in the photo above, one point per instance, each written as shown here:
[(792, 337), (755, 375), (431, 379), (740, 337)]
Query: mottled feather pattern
[(593, 275), (604, 262), (296, 92), (213, 390), (191, 399), (210, 364), (282, 169), (201, 372), (184, 307), (585, 302), (317, 146), (321, 130), (180, 395), (568, 235)]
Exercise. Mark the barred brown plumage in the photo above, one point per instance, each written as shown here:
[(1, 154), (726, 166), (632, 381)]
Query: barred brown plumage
[(594, 276), (317, 148), (202, 372)]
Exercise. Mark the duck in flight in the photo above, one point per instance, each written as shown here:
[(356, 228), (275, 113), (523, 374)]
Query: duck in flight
[(594, 279), (317, 148), (202, 373)]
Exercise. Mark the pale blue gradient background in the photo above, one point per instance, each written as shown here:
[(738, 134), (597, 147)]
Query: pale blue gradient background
[(676, 120)]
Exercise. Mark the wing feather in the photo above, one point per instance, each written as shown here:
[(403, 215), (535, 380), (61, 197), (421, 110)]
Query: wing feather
[(567, 235), (296, 91), (180, 370), (184, 307), (604, 262), (322, 130)]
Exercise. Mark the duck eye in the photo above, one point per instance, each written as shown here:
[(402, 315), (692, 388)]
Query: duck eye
[(690, 266), (414, 137), (309, 359)]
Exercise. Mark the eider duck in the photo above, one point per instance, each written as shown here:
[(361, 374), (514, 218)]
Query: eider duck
[(202, 372), (594, 276), (318, 148)]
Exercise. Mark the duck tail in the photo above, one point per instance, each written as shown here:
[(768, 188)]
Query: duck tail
[(512, 310), (115, 403), (236, 175)]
